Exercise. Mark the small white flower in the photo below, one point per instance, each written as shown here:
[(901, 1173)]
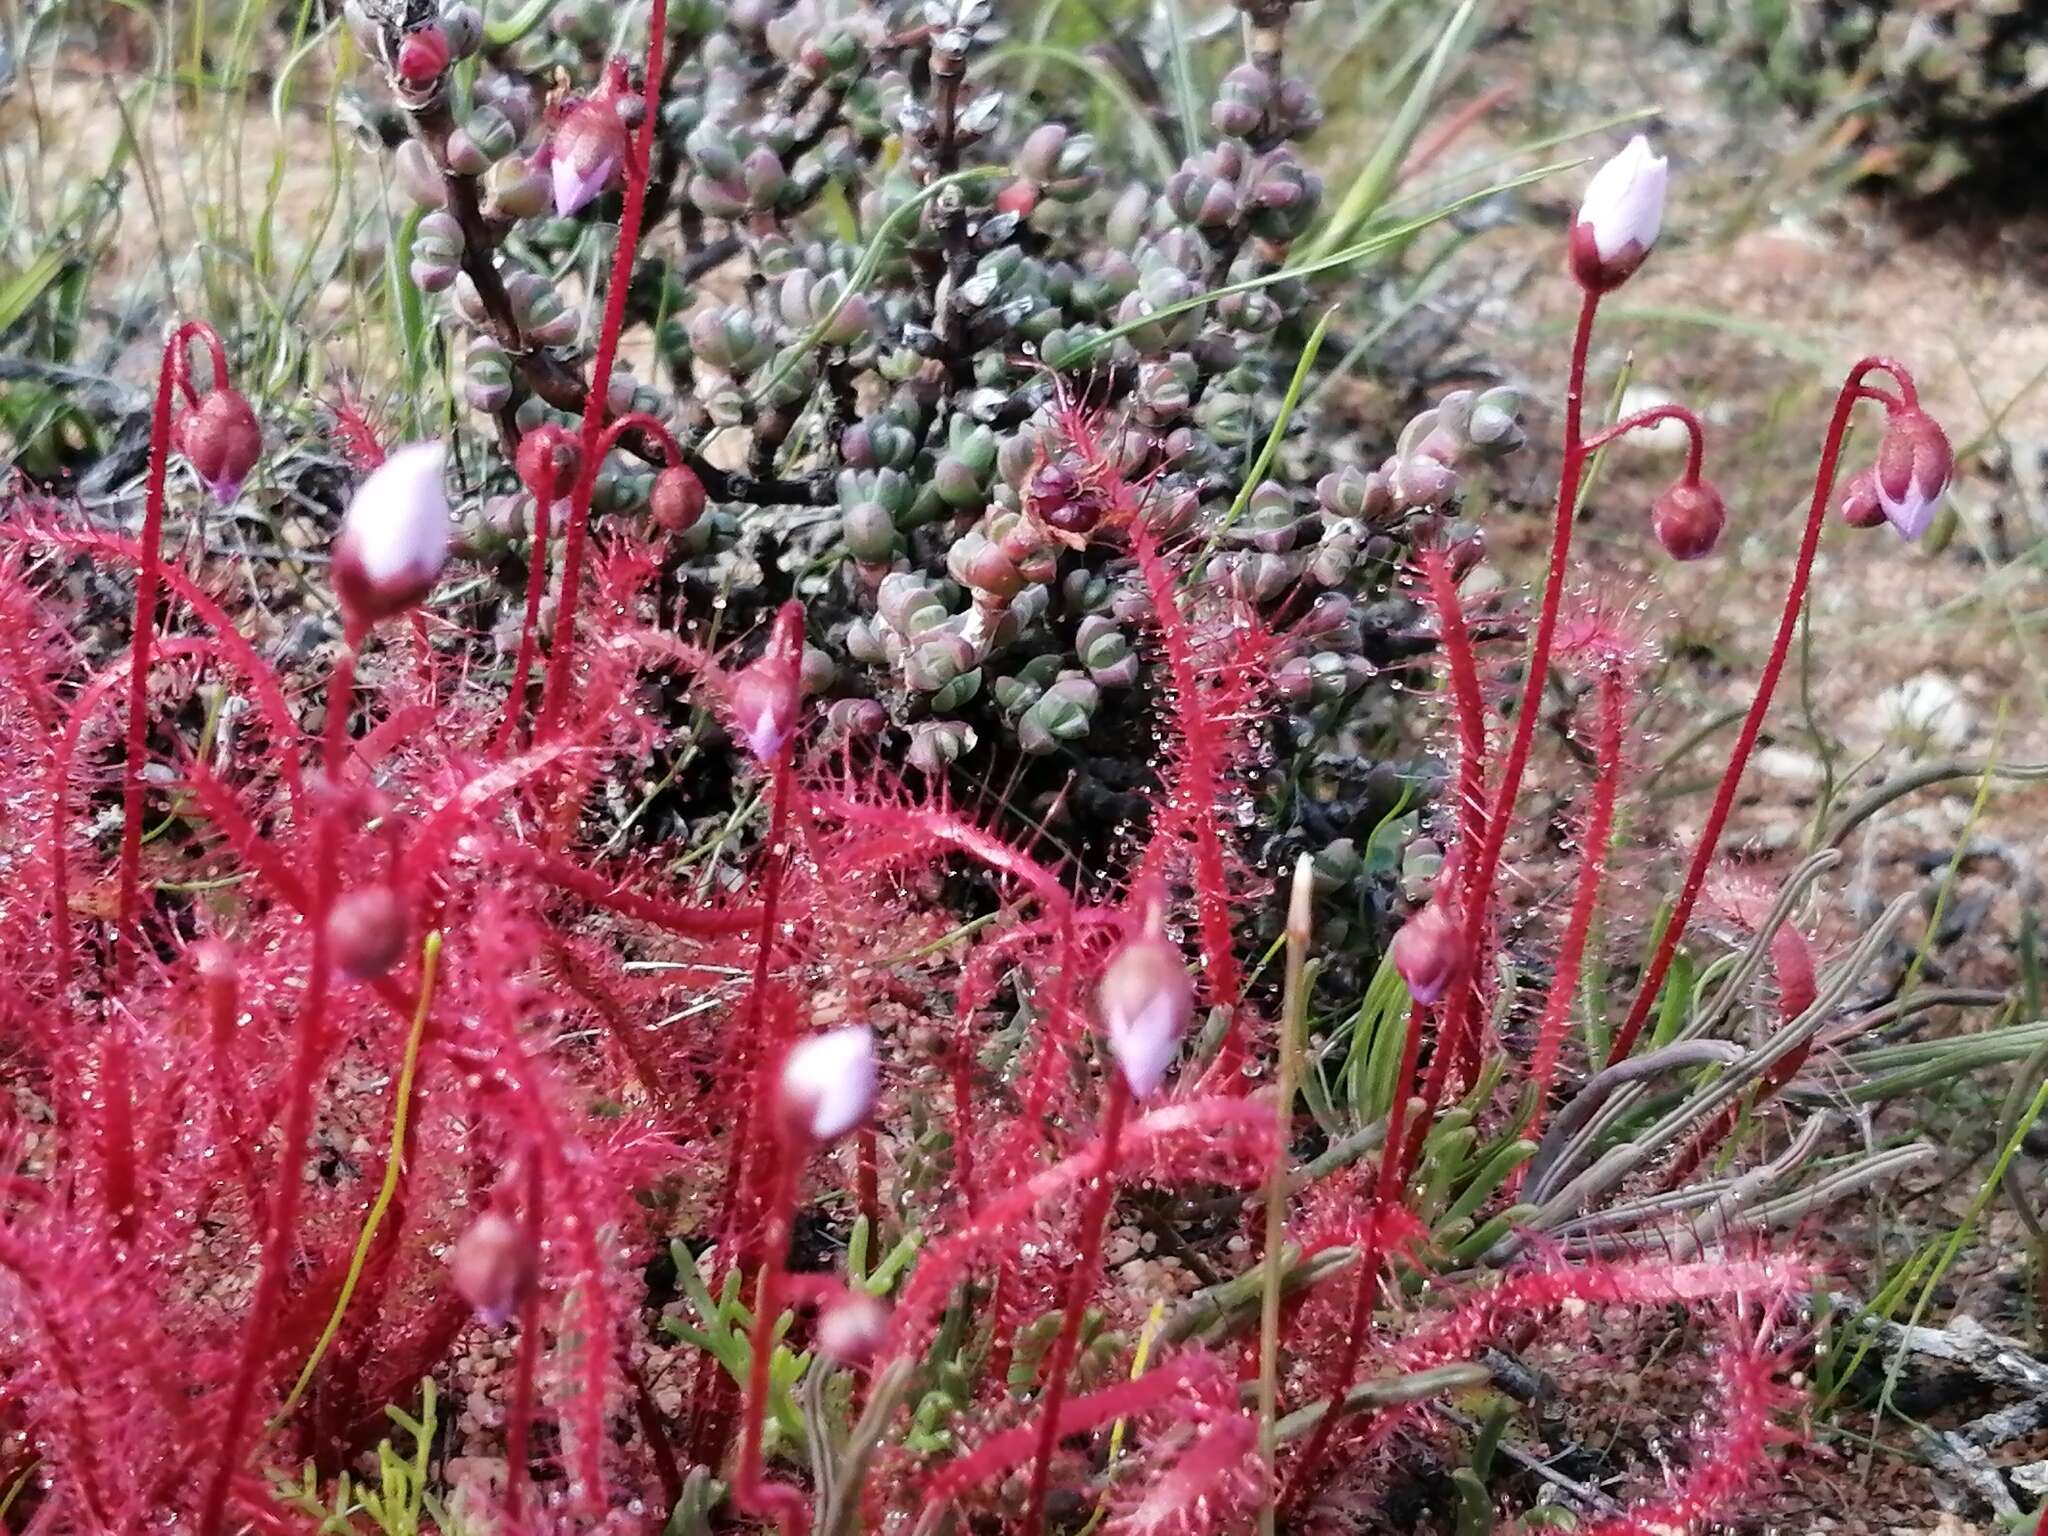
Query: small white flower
[(1624, 203), (828, 1082), (1147, 999), (395, 535)]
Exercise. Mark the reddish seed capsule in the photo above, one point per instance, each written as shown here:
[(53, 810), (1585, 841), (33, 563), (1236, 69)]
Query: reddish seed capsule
[(1426, 953), (677, 500), (1859, 505), (220, 438), (1688, 519), (493, 1268), (366, 932), (423, 56)]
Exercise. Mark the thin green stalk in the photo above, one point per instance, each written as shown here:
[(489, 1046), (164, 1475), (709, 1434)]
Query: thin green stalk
[(394, 1163), (1293, 1012)]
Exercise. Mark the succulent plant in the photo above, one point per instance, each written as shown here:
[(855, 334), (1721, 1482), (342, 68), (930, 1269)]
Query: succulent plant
[(1948, 91)]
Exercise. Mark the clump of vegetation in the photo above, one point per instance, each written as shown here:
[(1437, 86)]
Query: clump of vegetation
[(348, 1016), (1941, 94)]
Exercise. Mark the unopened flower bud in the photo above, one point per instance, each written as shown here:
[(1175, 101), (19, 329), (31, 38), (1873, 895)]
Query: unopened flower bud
[(851, 1328), (1426, 953), (547, 462), (423, 56), (1620, 217), (1688, 519), (493, 1268), (1914, 463), (220, 438), (827, 1085), (586, 153), (1147, 999), (394, 537), (1859, 505), (677, 500), (766, 696), (366, 932)]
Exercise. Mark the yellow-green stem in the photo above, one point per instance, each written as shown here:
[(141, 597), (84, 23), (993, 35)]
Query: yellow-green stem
[(1293, 1013)]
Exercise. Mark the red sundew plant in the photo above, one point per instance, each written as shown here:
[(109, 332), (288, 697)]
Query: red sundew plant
[(364, 909)]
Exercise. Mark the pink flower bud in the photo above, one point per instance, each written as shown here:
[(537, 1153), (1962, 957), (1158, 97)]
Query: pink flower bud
[(547, 462), (493, 1267), (1147, 1000), (1620, 217), (1427, 952), (677, 500), (423, 56), (221, 440), (766, 697), (1913, 465), (827, 1085), (1688, 519), (1859, 505), (394, 537), (851, 1328), (366, 932), (585, 154)]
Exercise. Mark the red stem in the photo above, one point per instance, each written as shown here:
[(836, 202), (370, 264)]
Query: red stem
[(1753, 723), (563, 645), (536, 587), (537, 568), (146, 585), (1094, 1219), (1469, 706), (1696, 445), (750, 1490), (279, 1240), (757, 1053), (1598, 831), (519, 1412), (1462, 1013), (1392, 1174)]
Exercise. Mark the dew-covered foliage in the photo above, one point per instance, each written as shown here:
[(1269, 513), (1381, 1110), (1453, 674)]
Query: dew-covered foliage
[(795, 1151)]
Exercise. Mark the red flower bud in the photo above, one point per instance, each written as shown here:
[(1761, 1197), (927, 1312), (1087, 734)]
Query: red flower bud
[(766, 696), (423, 56), (1019, 197), (1859, 505), (366, 932), (585, 154), (493, 1267), (1427, 952), (1688, 519), (547, 462), (1914, 463), (221, 440), (677, 500)]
